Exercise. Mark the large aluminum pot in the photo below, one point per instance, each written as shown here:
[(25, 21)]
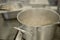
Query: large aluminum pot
[(12, 10), (38, 23)]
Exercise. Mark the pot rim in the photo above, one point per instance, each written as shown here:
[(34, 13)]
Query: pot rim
[(39, 8)]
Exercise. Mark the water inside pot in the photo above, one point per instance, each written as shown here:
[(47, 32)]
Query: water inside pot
[(38, 17)]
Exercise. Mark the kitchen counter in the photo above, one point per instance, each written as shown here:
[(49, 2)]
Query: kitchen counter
[(7, 32)]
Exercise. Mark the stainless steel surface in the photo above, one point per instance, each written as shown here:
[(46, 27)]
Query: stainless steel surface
[(56, 36), (38, 31), (6, 30), (10, 15), (12, 9), (10, 33)]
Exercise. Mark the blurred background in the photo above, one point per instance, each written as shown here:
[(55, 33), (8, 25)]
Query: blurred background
[(8, 17)]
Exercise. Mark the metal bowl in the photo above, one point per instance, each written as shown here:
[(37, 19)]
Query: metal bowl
[(10, 10)]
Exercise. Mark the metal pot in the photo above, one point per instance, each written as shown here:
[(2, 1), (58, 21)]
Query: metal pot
[(38, 32), (12, 10), (10, 15)]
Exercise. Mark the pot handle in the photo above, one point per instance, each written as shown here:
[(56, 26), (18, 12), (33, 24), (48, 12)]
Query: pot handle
[(58, 22), (24, 31)]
